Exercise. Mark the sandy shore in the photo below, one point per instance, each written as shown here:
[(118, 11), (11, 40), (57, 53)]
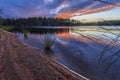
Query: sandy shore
[(20, 62)]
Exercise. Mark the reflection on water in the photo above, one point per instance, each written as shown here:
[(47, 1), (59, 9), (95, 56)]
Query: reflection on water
[(107, 33), (75, 51)]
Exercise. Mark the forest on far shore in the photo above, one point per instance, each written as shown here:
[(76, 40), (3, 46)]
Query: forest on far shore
[(43, 21)]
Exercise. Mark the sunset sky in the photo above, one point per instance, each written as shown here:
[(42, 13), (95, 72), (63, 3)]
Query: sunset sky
[(83, 10)]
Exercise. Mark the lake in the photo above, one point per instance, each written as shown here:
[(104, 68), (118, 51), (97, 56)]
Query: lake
[(79, 48)]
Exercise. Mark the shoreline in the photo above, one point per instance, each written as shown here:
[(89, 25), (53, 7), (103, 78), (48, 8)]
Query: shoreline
[(25, 58), (58, 63)]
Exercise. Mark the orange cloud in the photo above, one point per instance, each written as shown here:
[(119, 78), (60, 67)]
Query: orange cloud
[(65, 15), (104, 8), (86, 10)]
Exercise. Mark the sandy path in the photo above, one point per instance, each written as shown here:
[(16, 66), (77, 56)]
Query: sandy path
[(20, 62)]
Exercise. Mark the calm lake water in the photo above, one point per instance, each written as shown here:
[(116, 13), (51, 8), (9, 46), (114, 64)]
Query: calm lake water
[(77, 53)]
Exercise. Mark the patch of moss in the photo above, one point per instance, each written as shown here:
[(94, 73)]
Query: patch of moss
[(7, 28)]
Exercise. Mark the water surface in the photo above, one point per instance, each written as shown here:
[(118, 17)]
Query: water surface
[(74, 51)]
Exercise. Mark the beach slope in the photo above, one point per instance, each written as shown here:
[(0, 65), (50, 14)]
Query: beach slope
[(20, 62)]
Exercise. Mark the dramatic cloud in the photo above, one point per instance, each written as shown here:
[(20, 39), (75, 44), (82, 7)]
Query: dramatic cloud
[(53, 8), (88, 11)]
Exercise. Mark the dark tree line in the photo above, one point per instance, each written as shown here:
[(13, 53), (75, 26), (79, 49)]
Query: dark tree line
[(109, 23), (39, 21), (0, 20), (0, 17), (103, 23)]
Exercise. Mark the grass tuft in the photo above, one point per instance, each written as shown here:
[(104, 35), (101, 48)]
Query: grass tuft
[(25, 32), (48, 42)]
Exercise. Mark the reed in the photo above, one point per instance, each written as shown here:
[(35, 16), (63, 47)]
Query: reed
[(48, 42)]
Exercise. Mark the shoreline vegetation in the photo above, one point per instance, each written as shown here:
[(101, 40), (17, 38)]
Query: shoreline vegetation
[(22, 62), (7, 28)]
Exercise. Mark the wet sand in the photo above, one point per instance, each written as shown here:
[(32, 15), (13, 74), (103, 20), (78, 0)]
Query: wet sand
[(20, 62)]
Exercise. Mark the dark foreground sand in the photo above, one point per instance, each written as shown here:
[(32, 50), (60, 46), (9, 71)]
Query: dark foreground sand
[(20, 62)]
